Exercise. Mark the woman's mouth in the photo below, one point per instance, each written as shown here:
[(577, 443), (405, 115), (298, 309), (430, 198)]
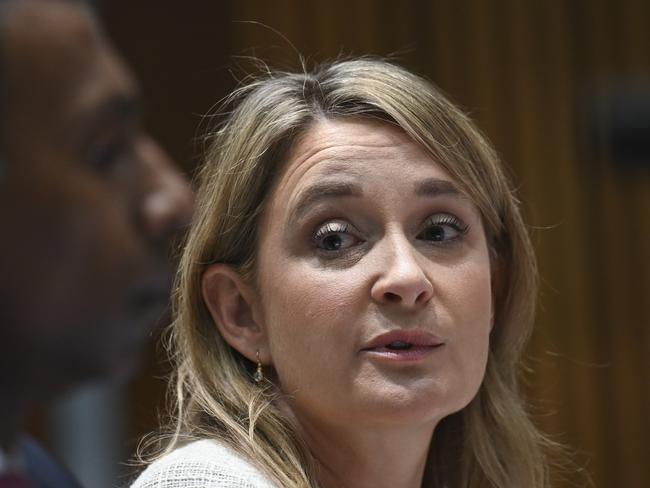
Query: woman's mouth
[(403, 345)]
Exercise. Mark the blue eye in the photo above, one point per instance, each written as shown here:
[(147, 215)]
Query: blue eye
[(443, 228), (334, 236)]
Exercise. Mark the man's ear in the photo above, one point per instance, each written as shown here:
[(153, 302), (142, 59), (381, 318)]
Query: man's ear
[(231, 303)]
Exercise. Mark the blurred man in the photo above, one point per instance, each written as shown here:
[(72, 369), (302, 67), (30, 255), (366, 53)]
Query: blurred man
[(88, 204)]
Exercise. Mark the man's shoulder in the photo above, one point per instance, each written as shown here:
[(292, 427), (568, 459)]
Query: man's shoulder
[(42, 468), (203, 463)]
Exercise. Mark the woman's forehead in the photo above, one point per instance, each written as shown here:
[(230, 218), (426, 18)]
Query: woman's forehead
[(354, 148), (364, 160)]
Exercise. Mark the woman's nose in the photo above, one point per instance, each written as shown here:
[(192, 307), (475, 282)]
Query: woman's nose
[(168, 202), (402, 281)]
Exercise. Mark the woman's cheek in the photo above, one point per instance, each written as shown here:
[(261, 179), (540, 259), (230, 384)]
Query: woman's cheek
[(311, 328)]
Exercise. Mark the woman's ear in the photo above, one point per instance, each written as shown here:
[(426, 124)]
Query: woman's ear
[(495, 285), (231, 303)]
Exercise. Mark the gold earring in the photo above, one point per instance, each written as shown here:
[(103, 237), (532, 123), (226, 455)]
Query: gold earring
[(258, 376)]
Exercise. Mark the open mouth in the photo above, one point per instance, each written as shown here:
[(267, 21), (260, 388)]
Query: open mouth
[(403, 345), (399, 346)]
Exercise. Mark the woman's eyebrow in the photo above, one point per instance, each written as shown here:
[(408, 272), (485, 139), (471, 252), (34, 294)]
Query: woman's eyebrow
[(322, 191), (433, 187)]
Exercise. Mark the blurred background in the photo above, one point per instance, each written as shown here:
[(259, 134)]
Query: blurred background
[(562, 89)]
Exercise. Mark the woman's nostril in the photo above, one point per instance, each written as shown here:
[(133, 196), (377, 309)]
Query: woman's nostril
[(392, 297), (421, 297)]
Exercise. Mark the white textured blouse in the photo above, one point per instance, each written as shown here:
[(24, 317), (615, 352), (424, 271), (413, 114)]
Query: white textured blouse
[(202, 464)]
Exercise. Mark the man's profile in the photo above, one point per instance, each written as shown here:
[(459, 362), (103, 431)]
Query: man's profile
[(88, 204)]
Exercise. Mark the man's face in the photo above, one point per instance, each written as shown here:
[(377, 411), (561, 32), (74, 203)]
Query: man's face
[(87, 205)]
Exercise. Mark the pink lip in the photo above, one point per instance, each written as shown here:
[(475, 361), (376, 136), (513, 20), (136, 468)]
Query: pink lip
[(418, 338), (421, 343)]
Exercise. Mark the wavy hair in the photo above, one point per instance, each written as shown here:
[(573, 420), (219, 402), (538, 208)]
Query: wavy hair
[(492, 442)]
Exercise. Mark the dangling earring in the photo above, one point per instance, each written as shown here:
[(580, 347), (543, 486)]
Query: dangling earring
[(258, 376)]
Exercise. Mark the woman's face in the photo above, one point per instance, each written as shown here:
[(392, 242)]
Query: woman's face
[(374, 276)]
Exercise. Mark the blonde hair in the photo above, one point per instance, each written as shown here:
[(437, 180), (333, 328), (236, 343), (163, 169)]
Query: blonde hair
[(492, 441)]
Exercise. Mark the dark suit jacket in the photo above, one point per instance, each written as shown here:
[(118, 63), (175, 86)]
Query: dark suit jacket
[(43, 470)]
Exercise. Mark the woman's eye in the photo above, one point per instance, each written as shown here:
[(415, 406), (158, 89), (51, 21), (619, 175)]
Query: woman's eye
[(443, 228), (334, 236)]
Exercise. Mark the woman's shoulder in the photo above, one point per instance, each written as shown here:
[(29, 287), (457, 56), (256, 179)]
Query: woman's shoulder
[(206, 464)]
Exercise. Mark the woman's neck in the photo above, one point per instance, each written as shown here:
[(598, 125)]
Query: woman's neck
[(363, 457)]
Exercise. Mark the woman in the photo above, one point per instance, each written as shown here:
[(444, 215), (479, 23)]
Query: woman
[(354, 297)]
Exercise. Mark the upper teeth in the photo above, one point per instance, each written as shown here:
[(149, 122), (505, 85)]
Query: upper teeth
[(399, 345)]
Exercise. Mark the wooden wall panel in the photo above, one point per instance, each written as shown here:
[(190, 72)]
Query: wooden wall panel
[(525, 70)]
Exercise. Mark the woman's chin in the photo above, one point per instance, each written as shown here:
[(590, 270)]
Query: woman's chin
[(399, 405)]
